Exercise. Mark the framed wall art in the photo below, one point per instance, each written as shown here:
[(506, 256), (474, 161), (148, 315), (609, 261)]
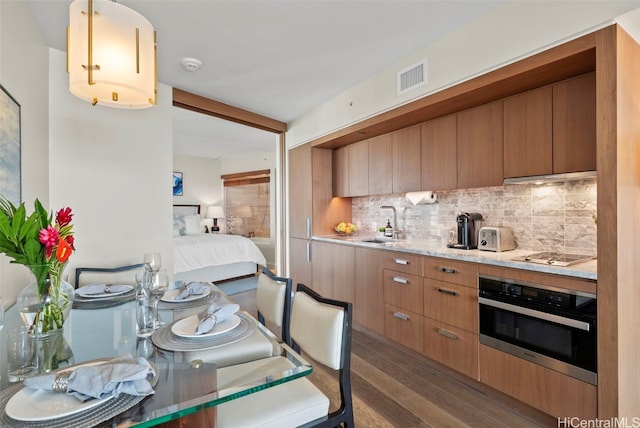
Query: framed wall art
[(177, 183), (10, 151)]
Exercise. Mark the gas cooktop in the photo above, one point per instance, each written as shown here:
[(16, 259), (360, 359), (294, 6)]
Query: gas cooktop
[(554, 258)]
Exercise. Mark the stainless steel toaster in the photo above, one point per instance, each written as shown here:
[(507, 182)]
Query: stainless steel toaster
[(496, 239)]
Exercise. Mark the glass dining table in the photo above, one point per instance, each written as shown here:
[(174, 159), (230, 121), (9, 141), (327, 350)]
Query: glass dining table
[(190, 380)]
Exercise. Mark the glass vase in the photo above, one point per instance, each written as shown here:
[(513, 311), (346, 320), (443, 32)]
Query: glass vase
[(45, 302)]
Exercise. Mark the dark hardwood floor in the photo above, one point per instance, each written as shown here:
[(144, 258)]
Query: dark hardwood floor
[(394, 387)]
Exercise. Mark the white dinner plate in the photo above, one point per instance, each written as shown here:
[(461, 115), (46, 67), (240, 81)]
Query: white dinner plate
[(115, 290), (186, 327), (33, 405), (170, 296)]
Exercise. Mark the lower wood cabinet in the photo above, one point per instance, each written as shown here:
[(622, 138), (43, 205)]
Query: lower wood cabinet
[(451, 304), (451, 346), (369, 300), (300, 259), (403, 290), (552, 392), (404, 327), (332, 270)]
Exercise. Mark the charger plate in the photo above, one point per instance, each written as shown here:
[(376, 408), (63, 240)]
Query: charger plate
[(89, 417), (164, 338), (80, 302)]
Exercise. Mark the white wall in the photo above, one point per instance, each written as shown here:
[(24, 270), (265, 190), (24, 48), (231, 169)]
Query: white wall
[(113, 168), (24, 74), (201, 182), (512, 31)]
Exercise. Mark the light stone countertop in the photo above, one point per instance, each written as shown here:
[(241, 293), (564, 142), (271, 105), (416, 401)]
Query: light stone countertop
[(586, 270)]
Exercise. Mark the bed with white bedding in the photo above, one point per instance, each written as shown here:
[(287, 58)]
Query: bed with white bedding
[(210, 256)]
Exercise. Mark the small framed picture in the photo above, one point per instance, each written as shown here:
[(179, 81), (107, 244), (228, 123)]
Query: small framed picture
[(10, 151), (177, 183)]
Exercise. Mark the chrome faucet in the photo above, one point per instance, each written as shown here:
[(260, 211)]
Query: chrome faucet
[(396, 232)]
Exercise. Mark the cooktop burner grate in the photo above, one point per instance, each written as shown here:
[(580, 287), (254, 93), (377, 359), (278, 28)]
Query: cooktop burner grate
[(554, 258)]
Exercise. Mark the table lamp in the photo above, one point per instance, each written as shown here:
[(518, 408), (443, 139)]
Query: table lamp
[(215, 212)]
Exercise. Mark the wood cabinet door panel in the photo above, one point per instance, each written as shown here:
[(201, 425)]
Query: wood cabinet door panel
[(340, 167), (300, 258), (343, 273), (380, 165), (358, 160), (406, 147), (574, 124), (322, 268), (452, 347), (528, 133), (403, 290), (439, 154), (452, 304), (369, 296), (300, 181), (480, 152), (404, 327)]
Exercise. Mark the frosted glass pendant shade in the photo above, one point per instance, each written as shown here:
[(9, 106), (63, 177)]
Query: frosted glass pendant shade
[(111, 55)]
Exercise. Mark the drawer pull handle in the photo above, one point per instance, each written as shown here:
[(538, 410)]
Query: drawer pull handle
[(400, 280), (401, 316), (401, 261), (447, 270), (445, 291), (446, 333)]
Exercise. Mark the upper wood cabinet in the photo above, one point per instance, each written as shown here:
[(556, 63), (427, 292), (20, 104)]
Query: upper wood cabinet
[(574, 124), (551, 130), (341, 172), (380, 165), (439, 154), (300, 188), (480, 155), (528, 133), (405, 145), (358, 167)]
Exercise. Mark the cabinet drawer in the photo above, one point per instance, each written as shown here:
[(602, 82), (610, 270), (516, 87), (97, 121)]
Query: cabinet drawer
[(403, 327), (403, 290), (452, 304), (403, 262), (554, 393), (448, 270), (452, 347)]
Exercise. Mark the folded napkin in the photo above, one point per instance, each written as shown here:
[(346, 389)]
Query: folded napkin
[(191, 289), (102, 289), (215, 314), (121, 375)]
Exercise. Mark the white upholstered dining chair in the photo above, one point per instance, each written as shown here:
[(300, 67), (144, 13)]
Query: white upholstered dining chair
[(273, 301), (322, 329)]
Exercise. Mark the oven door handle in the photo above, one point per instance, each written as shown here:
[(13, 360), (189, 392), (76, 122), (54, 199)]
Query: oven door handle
[(536, 314)]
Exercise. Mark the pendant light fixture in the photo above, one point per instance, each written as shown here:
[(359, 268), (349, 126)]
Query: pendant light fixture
[(111, 55)]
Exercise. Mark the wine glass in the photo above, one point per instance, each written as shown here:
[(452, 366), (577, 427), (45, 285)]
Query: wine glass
[(152, 262), (156, 287)]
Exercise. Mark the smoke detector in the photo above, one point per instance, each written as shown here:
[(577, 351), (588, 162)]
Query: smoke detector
[(191, 64)]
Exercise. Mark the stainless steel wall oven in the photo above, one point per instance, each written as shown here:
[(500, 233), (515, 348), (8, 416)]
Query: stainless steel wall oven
[(553, 327)]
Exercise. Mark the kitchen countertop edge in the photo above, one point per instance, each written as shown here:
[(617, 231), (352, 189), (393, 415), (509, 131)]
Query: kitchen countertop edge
[(586, 270)]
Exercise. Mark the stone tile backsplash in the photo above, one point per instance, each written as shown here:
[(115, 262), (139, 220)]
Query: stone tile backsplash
[(550, 217)]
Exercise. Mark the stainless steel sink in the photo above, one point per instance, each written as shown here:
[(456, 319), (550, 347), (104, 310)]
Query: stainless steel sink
[(376, 241)]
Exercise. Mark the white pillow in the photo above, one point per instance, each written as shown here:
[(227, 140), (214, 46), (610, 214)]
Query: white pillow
[(192, 225), (179, 225)]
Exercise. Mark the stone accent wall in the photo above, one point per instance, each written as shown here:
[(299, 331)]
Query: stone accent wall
[(549, 217)]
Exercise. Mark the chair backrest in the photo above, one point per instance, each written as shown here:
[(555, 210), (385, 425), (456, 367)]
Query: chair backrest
[(116, 275), (321, 327), (273, 301)]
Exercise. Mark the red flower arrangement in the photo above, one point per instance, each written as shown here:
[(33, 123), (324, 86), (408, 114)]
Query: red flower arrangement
[(44, 246)]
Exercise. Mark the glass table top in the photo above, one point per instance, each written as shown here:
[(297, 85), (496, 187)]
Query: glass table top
[(187, 381)]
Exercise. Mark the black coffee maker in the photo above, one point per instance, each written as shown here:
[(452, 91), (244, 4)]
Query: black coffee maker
[(467, 231)]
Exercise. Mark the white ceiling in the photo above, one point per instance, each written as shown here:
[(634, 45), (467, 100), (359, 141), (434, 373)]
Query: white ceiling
[(276, 58)]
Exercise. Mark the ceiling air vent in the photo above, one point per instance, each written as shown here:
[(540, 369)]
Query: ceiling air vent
[(412, 77)]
